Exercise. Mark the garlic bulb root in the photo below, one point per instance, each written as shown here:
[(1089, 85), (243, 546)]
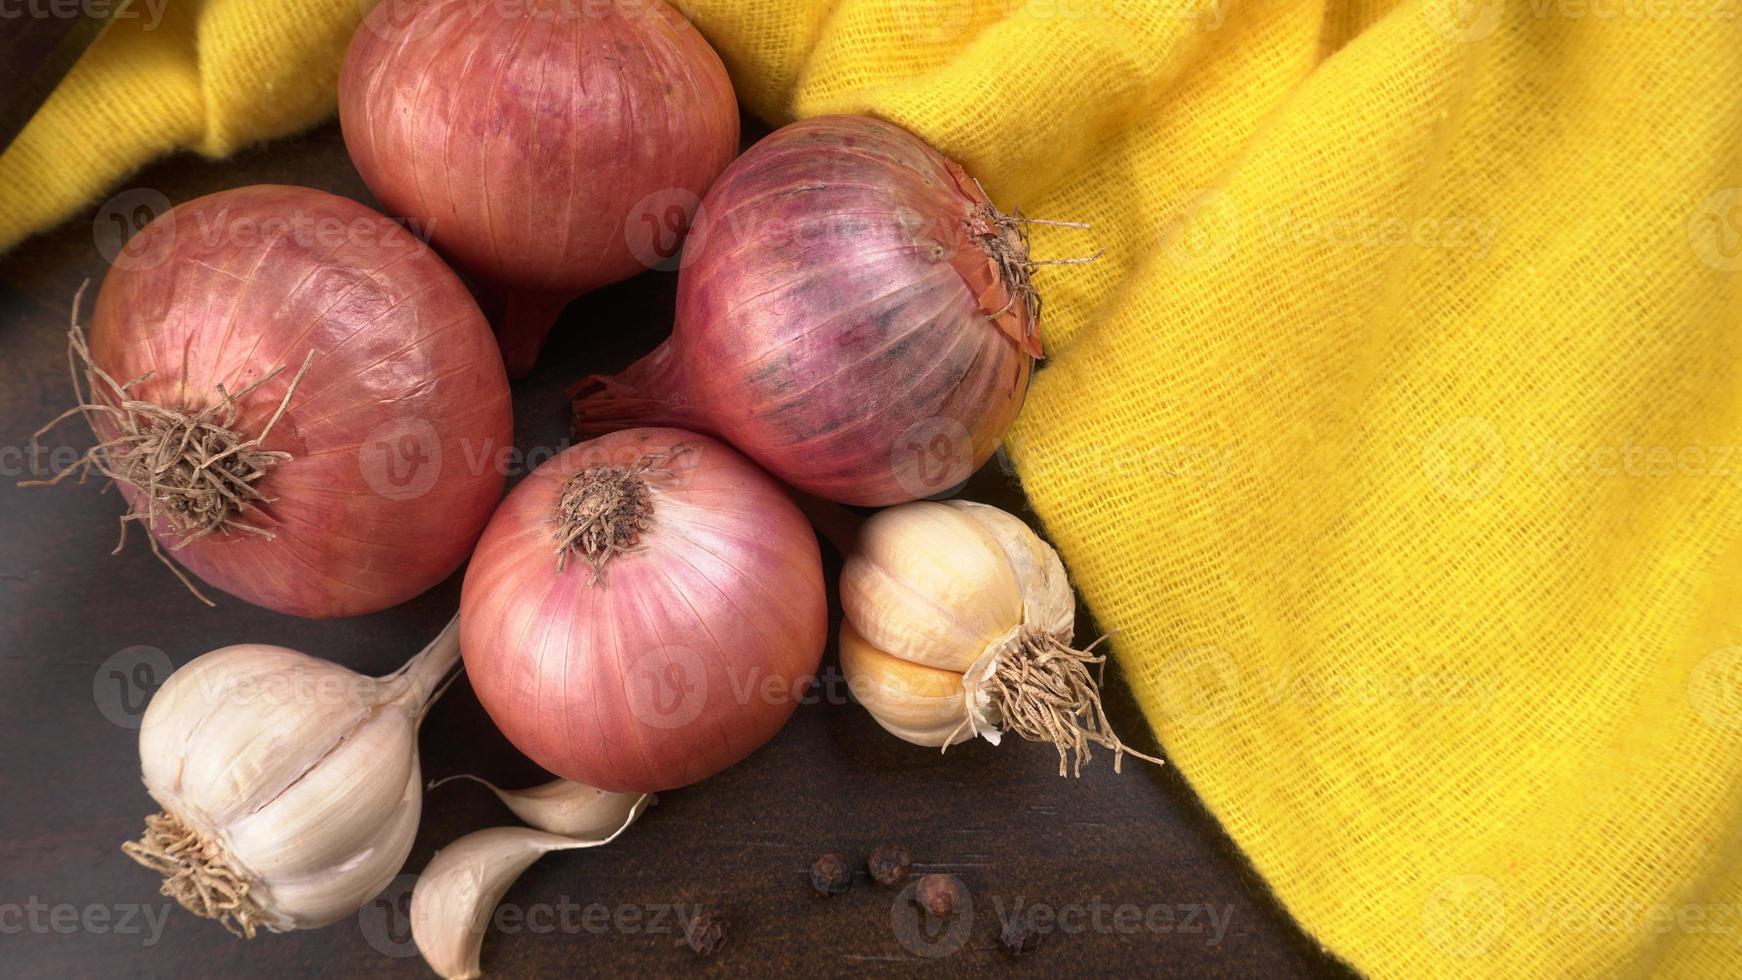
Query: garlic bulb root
[(197, 874), (959, 621), (1039, 687)]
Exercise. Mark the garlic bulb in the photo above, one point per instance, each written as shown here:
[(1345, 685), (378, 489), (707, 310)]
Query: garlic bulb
[(959, 622), (290, 786), (564, 807), (458, 892)]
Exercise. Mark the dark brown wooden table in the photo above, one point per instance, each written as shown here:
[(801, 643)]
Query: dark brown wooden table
[(1145, 879)]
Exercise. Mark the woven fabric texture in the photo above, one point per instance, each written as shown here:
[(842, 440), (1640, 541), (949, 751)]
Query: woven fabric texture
[(1398, 431)]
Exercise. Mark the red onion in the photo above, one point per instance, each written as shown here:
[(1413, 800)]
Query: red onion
[(550, 147), (342, 490), (643, 611), (852, 313)]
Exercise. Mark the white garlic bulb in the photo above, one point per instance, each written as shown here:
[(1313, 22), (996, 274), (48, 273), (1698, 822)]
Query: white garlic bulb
[(959, 622), (290, 786)]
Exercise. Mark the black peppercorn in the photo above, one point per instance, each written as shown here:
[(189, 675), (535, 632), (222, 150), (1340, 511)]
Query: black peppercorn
[(939, 895), (831, 875), (1019, 935), (889, 864), (706, 933)]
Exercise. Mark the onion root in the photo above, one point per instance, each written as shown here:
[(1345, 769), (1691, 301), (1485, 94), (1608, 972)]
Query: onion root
[(603, 510), (195, 472)]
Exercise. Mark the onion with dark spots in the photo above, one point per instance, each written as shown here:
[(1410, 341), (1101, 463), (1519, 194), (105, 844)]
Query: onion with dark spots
[(853, 313), (549, 147)]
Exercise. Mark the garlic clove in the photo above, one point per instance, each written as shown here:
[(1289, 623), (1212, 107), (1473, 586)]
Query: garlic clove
[(244, 725), (929, 585), (1048, 602), (458, 892), (188, 700), (923, 705), (336, 808), (562, 806), (320, 897)]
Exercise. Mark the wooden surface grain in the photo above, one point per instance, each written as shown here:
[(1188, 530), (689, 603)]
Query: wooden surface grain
[(1143, 880)]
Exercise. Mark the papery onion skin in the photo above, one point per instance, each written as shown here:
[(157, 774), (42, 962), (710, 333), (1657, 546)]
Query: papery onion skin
[(839, 319), (550, 146), (689, 652), (392, 434)]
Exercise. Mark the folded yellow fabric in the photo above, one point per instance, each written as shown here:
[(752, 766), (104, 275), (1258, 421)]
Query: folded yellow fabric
[(1399, 431), (204, 75)]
